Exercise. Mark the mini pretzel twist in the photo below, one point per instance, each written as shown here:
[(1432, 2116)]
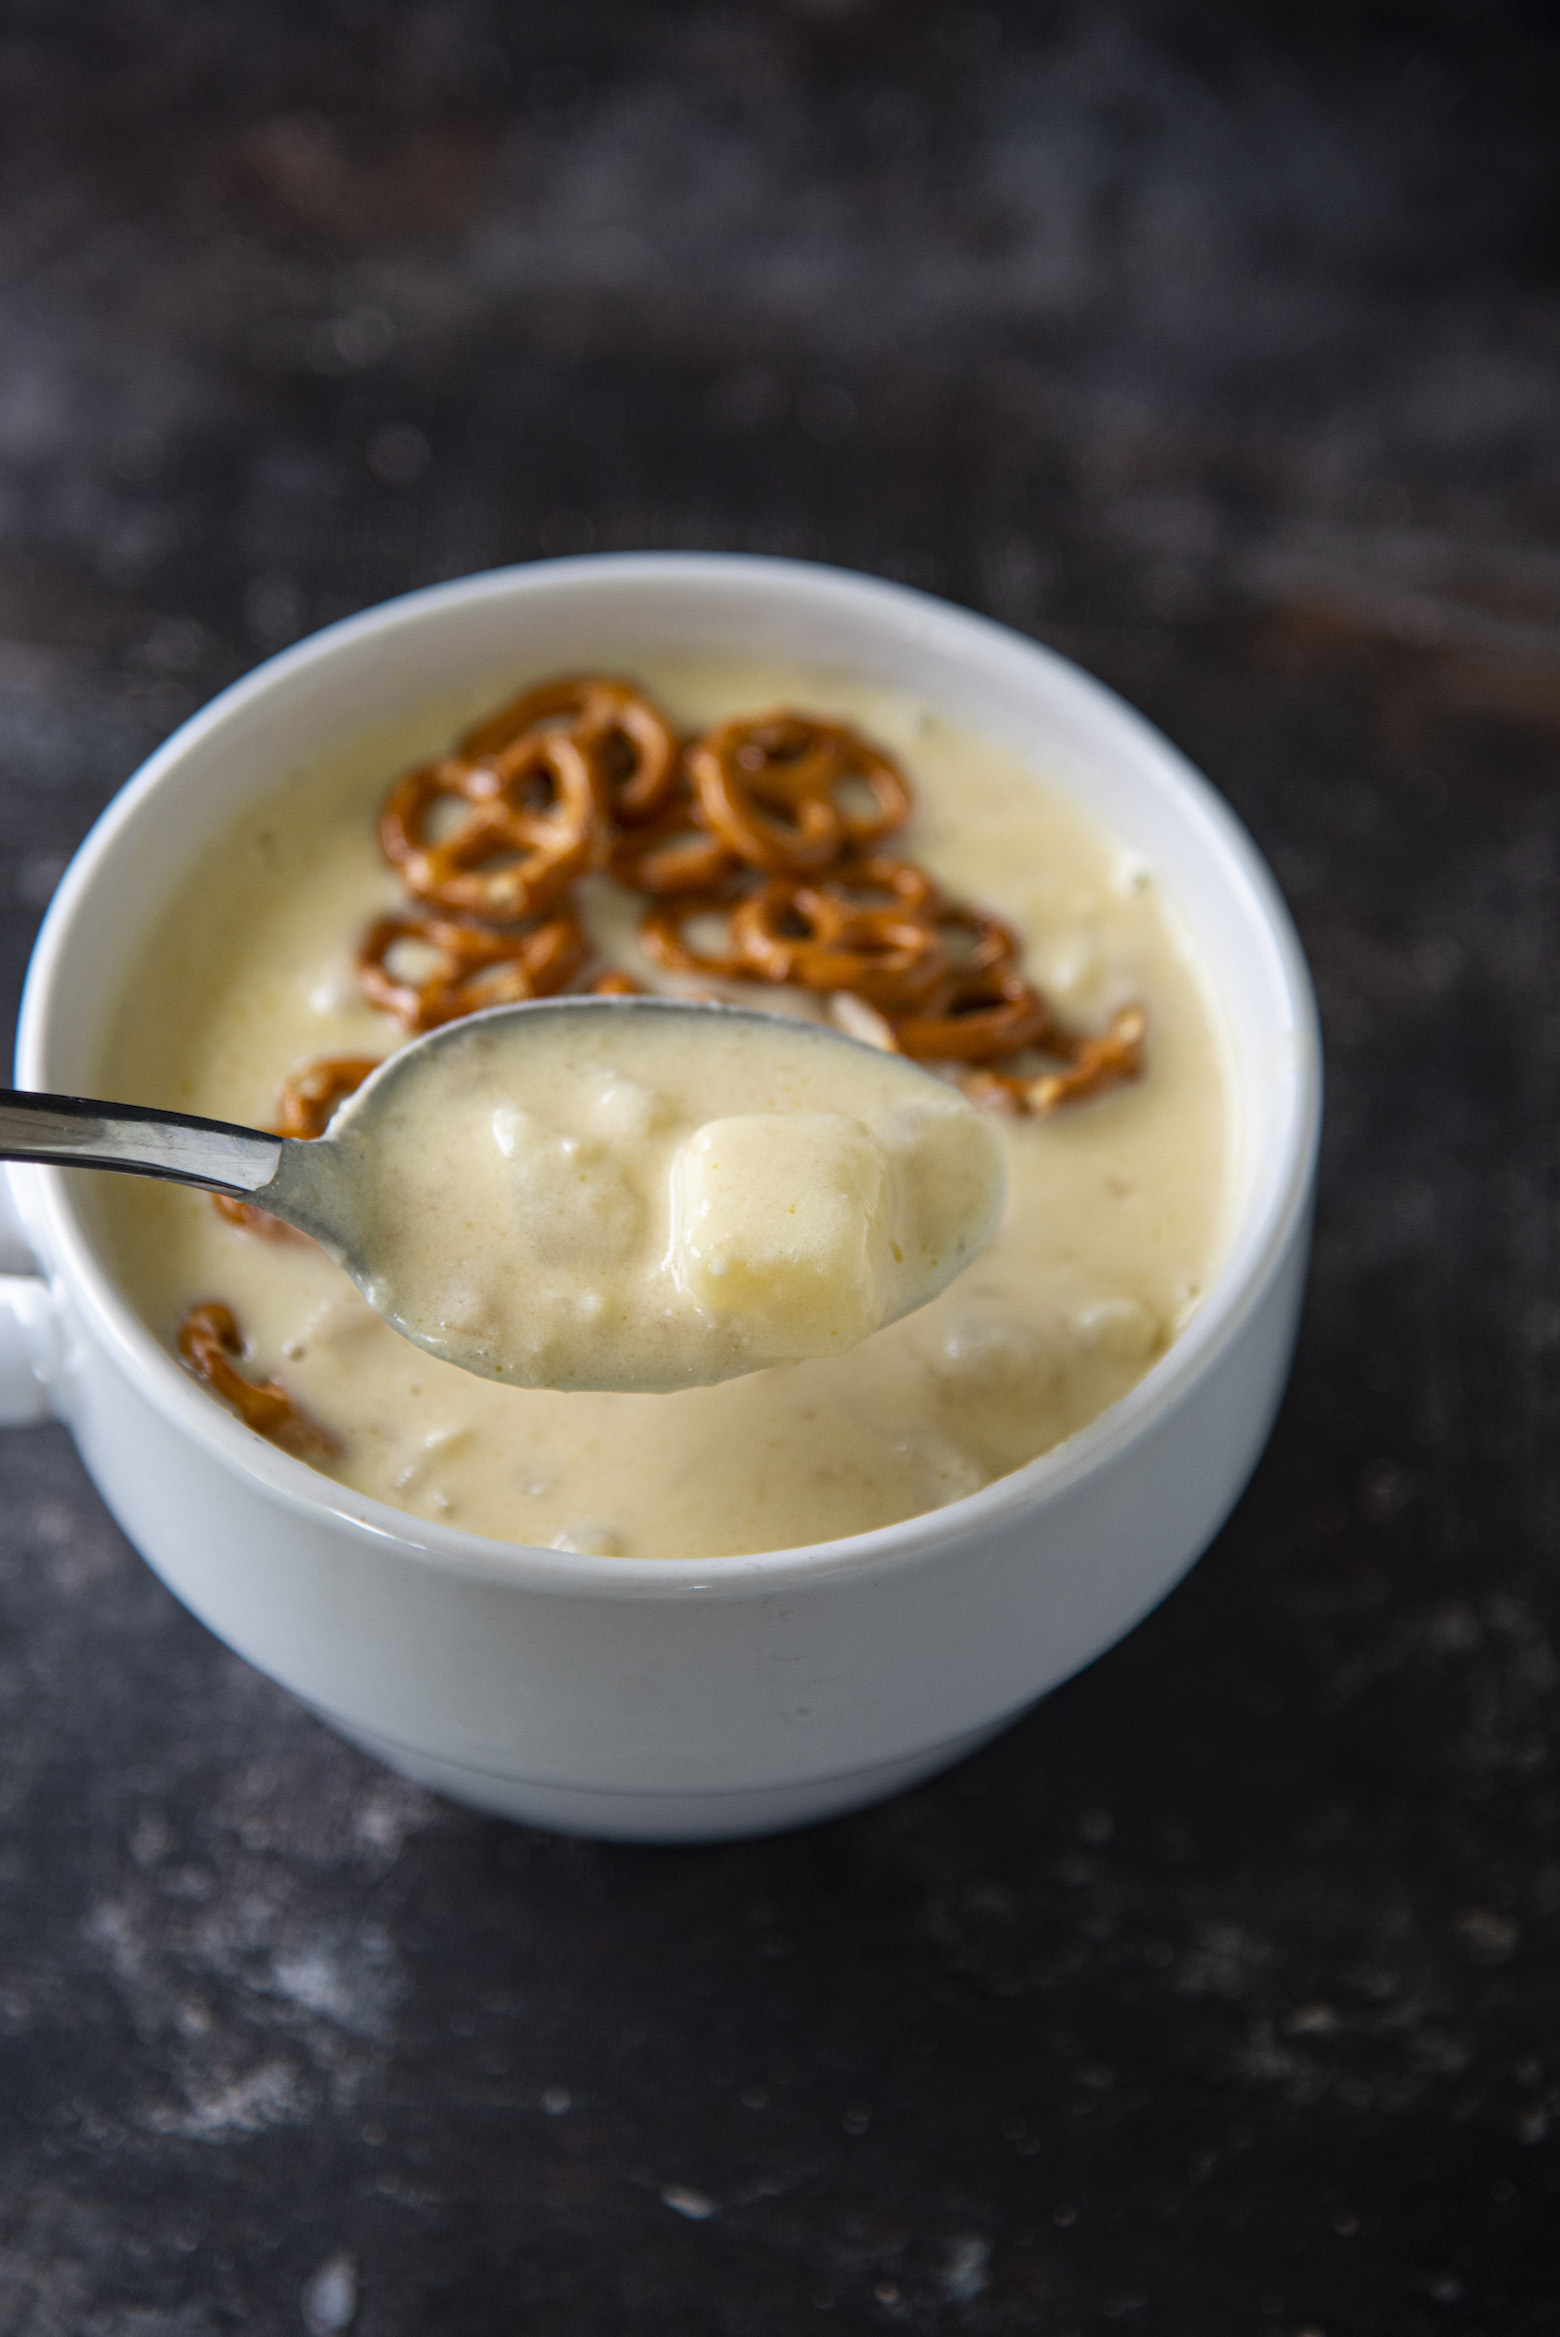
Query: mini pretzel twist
[(306, 1099), (813, 935), (774, 790), (977, 943), (632, 748), (876, 880), (535, 820), (663, 936), (209, 1341), (1093, 1067), (472, 968), (984, 1012), (674, 852), (629, 739)]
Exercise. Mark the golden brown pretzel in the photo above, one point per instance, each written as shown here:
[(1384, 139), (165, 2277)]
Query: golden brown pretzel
[(534, 821), (548, 703), (253, 1220), (663, 936), (630, 742), (1092, 1067), (596, 706), (877, 880), (307, 1098), (977, 943), (985, 1012), (633, 748), (472, 967), (813, 936), (674, 852), (209, 1341), (773, 789), (1097, 1064)]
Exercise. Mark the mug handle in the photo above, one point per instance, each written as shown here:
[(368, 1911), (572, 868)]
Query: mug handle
[(16, 1251), (29, 1325), (29, 1350)]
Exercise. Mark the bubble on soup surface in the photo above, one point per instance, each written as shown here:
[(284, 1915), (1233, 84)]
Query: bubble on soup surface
[(1121, 1329), (432, 1447), (1188, 1298), (990, 1356), (941, 1469), (1071, 967), (334, 989), (623, 1108), (519, 1135), (589, 1541)]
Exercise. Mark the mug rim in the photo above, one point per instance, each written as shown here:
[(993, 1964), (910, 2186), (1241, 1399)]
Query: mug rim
[(1246, 1272)]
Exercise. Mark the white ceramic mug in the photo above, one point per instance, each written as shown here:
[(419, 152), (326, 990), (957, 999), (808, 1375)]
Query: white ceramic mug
[(667, 1699)]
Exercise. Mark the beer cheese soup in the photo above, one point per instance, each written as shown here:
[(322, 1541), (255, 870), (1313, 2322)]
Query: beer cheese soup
[(625, 1196), (1116, 1202)]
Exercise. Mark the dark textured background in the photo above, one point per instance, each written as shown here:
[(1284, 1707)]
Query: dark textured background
[(1217, 346)]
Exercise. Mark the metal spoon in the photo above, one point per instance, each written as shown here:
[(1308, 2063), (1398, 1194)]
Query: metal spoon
[(302, 1180), (317, 1184)]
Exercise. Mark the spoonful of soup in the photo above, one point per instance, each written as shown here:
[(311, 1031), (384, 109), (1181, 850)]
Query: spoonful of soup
[(633, 1193)]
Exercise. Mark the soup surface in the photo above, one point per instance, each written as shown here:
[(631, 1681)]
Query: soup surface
[(1115, 1222)]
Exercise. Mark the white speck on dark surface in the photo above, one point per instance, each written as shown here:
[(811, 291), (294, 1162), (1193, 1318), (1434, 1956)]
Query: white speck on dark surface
[(694, 2206), (330, 2297)]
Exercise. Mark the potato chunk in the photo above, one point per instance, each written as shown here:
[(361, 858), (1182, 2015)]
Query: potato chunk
[(784, 1219)]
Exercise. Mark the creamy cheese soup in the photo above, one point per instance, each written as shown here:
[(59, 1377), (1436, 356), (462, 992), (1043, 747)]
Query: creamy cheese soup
[(1114, 1224), (618, 1195)]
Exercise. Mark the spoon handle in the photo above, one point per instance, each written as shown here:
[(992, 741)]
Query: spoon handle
[(74, 1132)]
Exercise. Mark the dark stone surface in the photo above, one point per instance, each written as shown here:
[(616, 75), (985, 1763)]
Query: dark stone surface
[(1216, 345)]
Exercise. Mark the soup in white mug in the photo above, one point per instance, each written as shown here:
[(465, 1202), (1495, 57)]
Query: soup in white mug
[(1117, 1203)]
